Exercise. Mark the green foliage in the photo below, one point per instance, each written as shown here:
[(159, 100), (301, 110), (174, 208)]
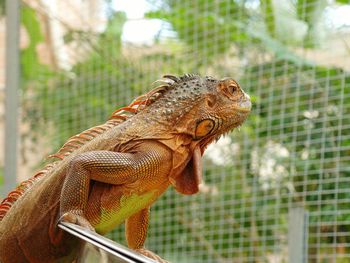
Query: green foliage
[(1, 175), (30, 65), (2, 7), (309, 128), (310, 11), (99, 80), (212, 28), (35, 77), (207, 21), (267, 10)]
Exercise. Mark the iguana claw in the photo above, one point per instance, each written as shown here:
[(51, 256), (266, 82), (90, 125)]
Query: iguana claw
[(76, 218), (151, 255)]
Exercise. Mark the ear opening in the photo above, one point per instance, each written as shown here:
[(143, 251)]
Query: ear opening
[(203, 128)]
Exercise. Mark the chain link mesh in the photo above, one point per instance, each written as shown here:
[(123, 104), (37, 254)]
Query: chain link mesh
[(277, 189)]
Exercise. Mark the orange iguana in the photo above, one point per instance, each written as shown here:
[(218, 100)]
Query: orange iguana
[(114, 172)]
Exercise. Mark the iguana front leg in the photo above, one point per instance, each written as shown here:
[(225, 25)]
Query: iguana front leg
[(136, 231), (103, 166), (116, 168)]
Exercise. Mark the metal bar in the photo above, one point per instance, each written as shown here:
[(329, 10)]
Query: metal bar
[(11, 92), (119, 252), (297, 235)]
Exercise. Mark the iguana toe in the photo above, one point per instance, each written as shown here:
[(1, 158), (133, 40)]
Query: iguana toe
[(77, 219), (151, 255)]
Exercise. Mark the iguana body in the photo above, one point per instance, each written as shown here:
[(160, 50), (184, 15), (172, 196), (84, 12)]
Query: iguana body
[(113, 173)]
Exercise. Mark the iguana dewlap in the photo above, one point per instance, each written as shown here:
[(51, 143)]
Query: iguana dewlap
[(112, 173)]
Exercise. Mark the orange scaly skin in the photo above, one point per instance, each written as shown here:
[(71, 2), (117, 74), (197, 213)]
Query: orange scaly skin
[(112, 173)]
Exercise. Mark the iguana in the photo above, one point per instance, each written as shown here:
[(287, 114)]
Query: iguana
[(113, 173)]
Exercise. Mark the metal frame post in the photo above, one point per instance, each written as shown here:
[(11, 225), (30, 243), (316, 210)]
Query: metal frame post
[(11, 92), (298, 235)]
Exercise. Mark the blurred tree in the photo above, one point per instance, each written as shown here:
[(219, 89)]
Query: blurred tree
[(2, 7)]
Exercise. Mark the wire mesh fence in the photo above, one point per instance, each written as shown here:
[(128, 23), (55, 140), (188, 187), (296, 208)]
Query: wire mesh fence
[(277, 189)]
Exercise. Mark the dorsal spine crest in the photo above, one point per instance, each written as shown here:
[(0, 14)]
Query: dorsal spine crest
[(77, 141)]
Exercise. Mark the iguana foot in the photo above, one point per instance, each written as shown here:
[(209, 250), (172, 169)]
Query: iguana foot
[(151, 255), (76, 218)]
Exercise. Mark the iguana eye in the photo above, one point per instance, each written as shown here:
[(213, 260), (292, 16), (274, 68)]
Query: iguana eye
[(232, 88), (229, 87)]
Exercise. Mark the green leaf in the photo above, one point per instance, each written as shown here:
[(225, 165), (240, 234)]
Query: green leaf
[(29, 56), (268, 16), (345, 2)]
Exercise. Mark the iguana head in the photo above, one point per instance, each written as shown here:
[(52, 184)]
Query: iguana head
[(201, 109), (207, 107)]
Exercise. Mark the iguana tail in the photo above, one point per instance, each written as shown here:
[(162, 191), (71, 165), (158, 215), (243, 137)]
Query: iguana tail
[(76, 141)]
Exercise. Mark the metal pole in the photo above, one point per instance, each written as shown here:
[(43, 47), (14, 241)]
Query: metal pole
[(11, 93), (297, 235)]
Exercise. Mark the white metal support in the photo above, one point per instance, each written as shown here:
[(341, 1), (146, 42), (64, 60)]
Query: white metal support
[(11, 93)]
